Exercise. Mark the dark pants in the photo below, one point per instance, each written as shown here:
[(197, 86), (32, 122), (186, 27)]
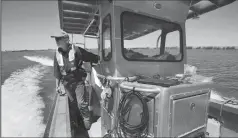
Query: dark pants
[(76, 92), (77, 125), (78, 100)]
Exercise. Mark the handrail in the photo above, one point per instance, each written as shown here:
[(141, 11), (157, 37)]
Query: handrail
[(220, 117), (117, 78), (60, 125), (89, 36), (139, 87), (222, 111)]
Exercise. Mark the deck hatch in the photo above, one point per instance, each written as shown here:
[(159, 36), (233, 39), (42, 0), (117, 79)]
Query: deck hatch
[(188, 112)]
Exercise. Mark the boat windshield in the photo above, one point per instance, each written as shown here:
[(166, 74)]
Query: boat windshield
[(150, 39)]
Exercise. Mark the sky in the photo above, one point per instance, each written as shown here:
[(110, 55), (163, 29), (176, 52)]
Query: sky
[(29, 24)]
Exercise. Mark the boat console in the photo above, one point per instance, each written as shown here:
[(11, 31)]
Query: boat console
[(176, 108)]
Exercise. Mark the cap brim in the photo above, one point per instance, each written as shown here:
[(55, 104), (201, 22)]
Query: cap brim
[(56, 36)]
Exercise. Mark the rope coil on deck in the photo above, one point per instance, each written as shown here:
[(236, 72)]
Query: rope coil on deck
[(123, 127)]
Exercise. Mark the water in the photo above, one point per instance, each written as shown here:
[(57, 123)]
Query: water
[(27, 93), (28, 85), (222, 65), (20, 103)]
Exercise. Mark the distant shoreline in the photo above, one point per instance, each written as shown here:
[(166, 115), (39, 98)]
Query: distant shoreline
[(214, 47), (188, 47), (27, 50)]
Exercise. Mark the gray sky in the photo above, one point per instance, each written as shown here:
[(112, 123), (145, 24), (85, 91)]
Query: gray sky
[(28, 25)]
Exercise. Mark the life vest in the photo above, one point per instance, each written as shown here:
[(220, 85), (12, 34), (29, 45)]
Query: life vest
[(72, 64)]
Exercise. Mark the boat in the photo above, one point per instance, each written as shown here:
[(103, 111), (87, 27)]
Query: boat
[(176, 100)]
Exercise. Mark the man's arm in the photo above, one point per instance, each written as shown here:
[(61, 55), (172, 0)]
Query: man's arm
[(88, 56), (57, 73)]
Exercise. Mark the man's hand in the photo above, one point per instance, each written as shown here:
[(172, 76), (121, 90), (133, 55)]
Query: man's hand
[(98, 62), (106, 93), (59, 91)]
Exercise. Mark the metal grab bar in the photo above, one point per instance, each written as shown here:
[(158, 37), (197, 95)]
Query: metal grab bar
[(228, 101), (231, 101), (117, 78), (141, 87), (151, 89)]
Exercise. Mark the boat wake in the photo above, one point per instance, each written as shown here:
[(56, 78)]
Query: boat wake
[(21, 105), (216, 96), (39, 59)]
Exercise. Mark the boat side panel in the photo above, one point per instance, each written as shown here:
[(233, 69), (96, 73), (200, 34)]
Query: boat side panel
[(60, 126), (229, 115), (166, 118)]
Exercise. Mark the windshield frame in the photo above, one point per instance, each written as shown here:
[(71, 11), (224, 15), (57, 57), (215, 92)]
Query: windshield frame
[(103, 44), (157, 18)]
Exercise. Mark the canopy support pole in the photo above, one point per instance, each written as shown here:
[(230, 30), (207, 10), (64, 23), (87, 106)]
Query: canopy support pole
[(89, 26), (72, 38), (93, 19), (84, 42)]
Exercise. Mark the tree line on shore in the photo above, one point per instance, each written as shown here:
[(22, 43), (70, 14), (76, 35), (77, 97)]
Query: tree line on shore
[(213, 47)]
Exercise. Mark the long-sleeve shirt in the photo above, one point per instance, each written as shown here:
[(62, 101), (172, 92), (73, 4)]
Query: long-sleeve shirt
[(80, 55)]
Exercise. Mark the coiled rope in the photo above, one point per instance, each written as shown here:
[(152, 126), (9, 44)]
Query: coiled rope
[(124, 129)]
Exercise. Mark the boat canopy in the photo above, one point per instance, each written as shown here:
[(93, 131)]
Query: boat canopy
[(82, 16), (79, 16)]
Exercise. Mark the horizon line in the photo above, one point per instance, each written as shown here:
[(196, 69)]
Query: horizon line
[(188, 47)]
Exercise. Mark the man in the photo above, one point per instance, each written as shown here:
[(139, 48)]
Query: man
[(68, 60)]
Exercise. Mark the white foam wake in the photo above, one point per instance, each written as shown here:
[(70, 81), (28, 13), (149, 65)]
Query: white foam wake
[(21, 105), (216, 96), (192, 70), (40, 59)]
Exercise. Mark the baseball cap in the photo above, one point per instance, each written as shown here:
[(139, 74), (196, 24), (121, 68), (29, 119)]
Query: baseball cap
[(60, 34)]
